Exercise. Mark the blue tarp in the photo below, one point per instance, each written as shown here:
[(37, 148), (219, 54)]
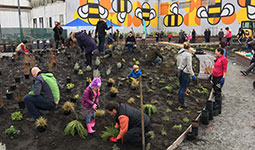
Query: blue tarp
[(109, 23), (78, 23)]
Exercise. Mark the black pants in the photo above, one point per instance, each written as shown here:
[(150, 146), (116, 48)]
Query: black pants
[(89, 58), (217, 86), (134, 135), (59, 41)]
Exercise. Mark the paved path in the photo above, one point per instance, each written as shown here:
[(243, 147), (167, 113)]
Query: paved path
[(234, 128)]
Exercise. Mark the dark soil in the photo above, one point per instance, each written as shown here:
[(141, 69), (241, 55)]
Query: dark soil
[(54, 138)]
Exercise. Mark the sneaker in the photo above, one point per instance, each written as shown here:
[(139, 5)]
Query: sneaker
[(244, 73)]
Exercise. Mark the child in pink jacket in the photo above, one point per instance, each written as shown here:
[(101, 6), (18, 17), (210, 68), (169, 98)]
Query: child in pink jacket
[(228, 36)]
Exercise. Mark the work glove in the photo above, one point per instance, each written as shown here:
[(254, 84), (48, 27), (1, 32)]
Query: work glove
[(111, 25), (114, 139), (194, 77), (94, 106), (222, 80)]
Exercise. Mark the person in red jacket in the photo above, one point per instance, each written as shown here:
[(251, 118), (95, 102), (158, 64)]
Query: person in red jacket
[(169, 37), (21, 48), (219, 72)]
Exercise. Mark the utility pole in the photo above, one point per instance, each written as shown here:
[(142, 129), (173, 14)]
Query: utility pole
[(158, 27), (20, 25)]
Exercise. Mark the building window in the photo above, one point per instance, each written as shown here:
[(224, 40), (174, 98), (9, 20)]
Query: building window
[(61, 19), (186, 4), (41, 22), (50, 22), (35, 23)]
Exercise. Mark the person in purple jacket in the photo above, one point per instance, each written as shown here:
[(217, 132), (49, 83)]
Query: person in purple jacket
[(90, 101), (85, 42)]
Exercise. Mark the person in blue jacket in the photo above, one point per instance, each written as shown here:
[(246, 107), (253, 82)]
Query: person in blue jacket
[(85, 42), (135, 73)]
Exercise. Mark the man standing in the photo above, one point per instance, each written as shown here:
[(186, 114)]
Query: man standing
[(128, 119), (58, 30), (240, 35), (131, 42), (100, 31), (221, 35), (194, 34), (45, 94)]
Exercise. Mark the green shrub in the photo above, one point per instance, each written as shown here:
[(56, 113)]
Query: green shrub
[(165, 118), (75, 126), (11, 131), (17, 116), (149, 109), (110, 132), (177, 127)]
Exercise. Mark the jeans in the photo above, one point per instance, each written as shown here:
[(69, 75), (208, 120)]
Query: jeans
[(59, 41), (157, 60), (217, 86), (184, 82), (89, 58), (131, 47), (101, 43), (228, 41), (240, 39), (88, 118), (35, 103), (169, 39), (250, 68)]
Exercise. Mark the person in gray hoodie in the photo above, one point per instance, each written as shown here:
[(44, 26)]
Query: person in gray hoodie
[(184, 66)]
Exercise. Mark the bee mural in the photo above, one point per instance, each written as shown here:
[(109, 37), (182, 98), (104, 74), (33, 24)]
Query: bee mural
[(250, 5), (122, 7), (92, 11), (174, 19), (215, 12), (145, 12)]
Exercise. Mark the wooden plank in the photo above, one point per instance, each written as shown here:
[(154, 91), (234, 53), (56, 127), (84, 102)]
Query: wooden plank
[(177, 45)]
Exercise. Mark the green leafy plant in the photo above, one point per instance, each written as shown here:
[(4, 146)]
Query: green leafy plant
[(96, 73), (80, 72), (76, 96), (97, 62), (69, 85), (162, 81), (88, 79), (131, 100), (111, 80), (170, 103), (177, 127), (68, 106), (119, 65), (171, 79), (163, 132), (88, 68), (110, 132), (114, 90), (168, 110), (2, 146), (100, 112), (165, 118), (16, 116), (186, 119), (151, 134), (137, 62), (179, 108), (149, 109), (167, 88), (153, 101), (134, 59), (188, 112), (11, 131), (41, 122), (115, 147), (135, 84), (76, 127), (76, 66), (123, 60)]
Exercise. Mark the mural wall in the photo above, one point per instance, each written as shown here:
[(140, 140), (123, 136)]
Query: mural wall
[(169, 15)]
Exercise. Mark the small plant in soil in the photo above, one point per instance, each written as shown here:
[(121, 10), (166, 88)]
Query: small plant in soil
[(186, 119), (177, 127), (69, 86), (68, 107), (123, 60), (110, 132), (179, 108), (114, 91), (149, 109), (115, 147), (80, 72), (137, 62), (131, 100), (119, 65), (76, 66), (41, 124), (149, 90), (76, 96), (111, 81), (88, 69), (188, 112), (100, 112), (151, 134), (167, 88), (170, 103), (162, 82), (74, 127), (168, 110), (134, 85), (153, 101), (11, 131), (163, 132), (108, 71), (171, 79), (165, 118), (97, 62), (134, 60), (16, 116), (96, 73)]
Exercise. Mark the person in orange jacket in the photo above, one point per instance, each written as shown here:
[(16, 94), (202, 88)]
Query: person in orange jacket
[(21, 48), (128, 120)]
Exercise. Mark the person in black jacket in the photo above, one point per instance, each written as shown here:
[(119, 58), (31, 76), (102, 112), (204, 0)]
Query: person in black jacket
[(240, 35), (130, 42), (128, 120), (100, 31), (58, 30)]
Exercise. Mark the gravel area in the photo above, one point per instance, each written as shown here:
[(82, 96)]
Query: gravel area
[(234, 129)]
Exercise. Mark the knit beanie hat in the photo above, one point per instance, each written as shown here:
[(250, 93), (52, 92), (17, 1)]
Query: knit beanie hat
[(96, 83)]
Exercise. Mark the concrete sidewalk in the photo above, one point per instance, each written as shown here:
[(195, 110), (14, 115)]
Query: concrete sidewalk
[(234, 128)]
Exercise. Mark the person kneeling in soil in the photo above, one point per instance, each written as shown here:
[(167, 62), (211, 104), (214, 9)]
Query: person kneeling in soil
[(135, 73), (21, 48), (184, 65), (45, 94), (251, 67), (85, 42), (130, 42), (128, 119), (90, 101), (154, 56)]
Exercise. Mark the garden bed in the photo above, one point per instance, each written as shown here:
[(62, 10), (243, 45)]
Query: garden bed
[(159, 83)]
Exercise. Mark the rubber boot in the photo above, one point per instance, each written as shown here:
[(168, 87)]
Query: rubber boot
[(90, 130), (93, 122)]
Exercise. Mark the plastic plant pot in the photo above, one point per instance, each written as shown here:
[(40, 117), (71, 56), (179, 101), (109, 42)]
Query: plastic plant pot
[(109, 84), (22, 105), (69, 57), (26, 76), (190, 136), (204, 117), (66, 113), (209, 105), (41, 129), (75, 71), (9, 95), (17, 79), (113, 94), (195, 125), (74, 100)]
